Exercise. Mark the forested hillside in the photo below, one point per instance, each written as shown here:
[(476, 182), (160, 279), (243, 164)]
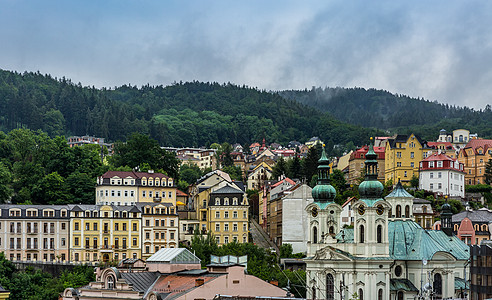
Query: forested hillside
[(396, 113), (183, 114)]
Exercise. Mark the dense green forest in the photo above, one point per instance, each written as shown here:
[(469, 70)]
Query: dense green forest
[(183, 114), (395, 113)]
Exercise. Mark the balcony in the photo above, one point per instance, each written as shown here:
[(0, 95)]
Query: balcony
[(157, 199), (105, 231)]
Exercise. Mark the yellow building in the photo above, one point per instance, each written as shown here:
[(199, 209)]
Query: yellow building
[(160, 225), (228, 215), (104, 232), (4, 294), (402, 156)]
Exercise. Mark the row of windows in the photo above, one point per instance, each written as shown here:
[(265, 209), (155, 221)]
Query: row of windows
[(226, 215), (226, 201), (34, 256), (105, 226), (105, 245), (118, 193), (32, 227), (32, 243), (234, 239), (156, 248), (15, 212), (160, 235), (226, 227), (150, 181), (161, 223), (95, 214)]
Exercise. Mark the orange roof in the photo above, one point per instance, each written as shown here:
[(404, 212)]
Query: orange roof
[(286, 179), (181, 194)]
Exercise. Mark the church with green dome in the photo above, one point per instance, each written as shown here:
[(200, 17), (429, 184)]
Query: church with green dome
[(386, 254)]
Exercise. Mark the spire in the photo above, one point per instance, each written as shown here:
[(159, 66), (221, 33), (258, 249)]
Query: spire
[(446, 217), (370, 189), (324, 191)]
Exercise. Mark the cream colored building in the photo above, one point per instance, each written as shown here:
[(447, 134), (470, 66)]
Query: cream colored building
[(128, 188), (34, 232)]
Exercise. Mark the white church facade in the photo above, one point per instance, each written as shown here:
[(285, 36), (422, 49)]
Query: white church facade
[(386, 255)]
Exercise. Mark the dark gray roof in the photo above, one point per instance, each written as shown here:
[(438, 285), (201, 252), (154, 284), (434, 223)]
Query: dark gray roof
[(403, 138), (239, 184), (481, 216), (420, 201), (141, 281), (227, 190)]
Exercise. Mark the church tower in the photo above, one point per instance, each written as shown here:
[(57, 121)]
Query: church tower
[(323, 213), (371, 213)]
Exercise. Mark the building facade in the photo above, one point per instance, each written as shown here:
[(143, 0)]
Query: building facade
[(35, 232), (356, 164), (474, 155), (386, 255), (402, 156), (228, 214), (442, 174)]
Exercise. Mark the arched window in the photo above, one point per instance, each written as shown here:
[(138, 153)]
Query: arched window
[(456, 227), (315, 235), (380, 294), (379, 234), (332, 230), (438, 285), (477, 228), (407, 211), (398, 211), (330, 287), (361, 294), (424, 209), (110, 282), (361, 234), (484, 227), (400, 295)]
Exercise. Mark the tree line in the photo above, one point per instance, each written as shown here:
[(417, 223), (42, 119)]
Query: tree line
[(181, 115)]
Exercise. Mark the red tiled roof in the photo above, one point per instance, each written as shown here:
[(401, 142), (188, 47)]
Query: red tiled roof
[(254, 145), (437, 156), (447, 144), (364, 149), (477, 143)]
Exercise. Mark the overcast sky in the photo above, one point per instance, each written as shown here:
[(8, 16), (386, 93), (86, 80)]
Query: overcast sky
[(438, 50)]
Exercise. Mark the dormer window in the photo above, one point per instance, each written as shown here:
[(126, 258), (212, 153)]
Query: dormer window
[(151, 182), (156, 182), (234, 201), (217, 201), (226, 201)]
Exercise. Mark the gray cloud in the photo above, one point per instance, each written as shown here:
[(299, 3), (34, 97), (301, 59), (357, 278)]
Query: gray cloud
[(438, 50)]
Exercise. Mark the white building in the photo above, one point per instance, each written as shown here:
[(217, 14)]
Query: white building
[(386, 255), (295, 229), (442, 174)]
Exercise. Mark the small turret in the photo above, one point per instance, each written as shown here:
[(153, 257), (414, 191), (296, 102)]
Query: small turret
[(324, 191), (370, 190), (446, 216)]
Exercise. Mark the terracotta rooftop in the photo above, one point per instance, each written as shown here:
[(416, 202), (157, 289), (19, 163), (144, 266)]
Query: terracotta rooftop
[(437, 156), (477, 143), (132, 174), (171, 286)]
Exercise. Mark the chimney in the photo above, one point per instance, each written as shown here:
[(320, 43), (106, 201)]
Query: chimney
[(199, 282)]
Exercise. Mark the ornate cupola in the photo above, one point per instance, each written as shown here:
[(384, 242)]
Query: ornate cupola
[(324, 192), (323, 213), (370, 190)]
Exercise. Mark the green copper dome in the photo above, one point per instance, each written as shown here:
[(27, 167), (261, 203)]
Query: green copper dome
[(370, 190), (323, 191)]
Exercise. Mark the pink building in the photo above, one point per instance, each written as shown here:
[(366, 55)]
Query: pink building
[(173, 274)]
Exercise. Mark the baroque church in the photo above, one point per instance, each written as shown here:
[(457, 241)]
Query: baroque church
[(386, 255)]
